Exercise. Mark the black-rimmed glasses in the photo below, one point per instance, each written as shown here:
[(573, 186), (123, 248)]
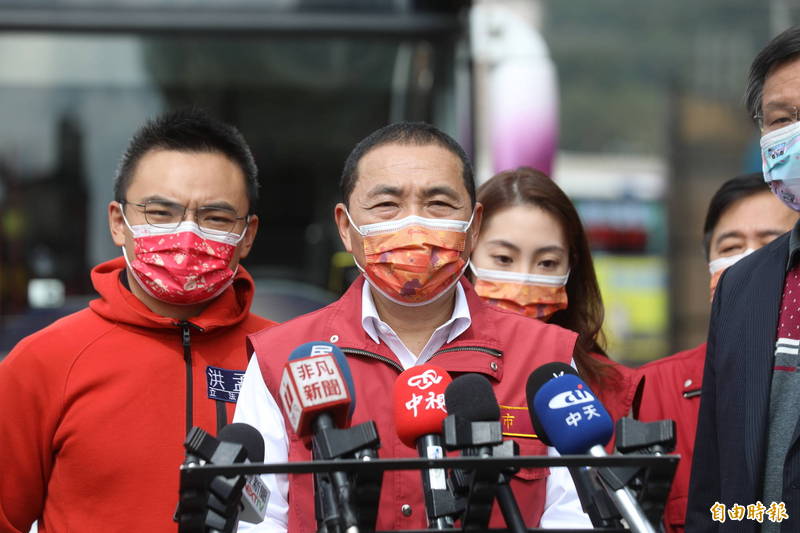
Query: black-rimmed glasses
[(168, 215)]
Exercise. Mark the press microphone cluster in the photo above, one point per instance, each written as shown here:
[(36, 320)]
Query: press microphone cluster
[(218, 507), (567, 415), (433, 413), (318, 397)]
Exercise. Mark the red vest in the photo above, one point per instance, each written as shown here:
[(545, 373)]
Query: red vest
[(615, 391), (671, 391), (502, 346)]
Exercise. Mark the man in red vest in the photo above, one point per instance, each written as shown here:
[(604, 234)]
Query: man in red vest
[(409, 217), (743, 216)]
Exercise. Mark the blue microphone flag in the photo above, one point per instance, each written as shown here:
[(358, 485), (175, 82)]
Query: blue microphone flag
[(571, 415)]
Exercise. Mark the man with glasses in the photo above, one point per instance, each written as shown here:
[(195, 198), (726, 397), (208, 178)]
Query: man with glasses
[(743, 215), (746, 467), (94, 409)]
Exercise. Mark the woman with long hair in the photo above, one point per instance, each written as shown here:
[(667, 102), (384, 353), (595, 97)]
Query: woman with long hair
[(533, 258)]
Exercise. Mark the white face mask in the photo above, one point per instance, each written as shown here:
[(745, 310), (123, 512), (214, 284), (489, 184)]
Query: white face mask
[(545, 280), (533, 295), (224, 237), (721, 263), (390, 226)]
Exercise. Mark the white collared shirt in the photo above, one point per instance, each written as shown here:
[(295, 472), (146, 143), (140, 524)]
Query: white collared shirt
[(257, 407), (378, 330)]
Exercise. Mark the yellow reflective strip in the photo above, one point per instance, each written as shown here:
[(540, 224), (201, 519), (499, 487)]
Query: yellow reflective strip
[(520, 435)]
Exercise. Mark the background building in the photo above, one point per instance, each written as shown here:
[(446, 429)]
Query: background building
[(641, 100)]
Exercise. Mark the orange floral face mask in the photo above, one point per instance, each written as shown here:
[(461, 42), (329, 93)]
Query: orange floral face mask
[(414, 260), (533, 295)]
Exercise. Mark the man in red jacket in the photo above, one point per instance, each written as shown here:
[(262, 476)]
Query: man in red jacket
[(94, 408), (742, 217), (409, 217)]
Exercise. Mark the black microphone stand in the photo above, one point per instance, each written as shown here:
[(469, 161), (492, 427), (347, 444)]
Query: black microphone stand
[(202, 475), (651, 485), (505, 497), (599, 489), (594, 499), (210, 507), (440, 505), (345, 502), (482, 486)]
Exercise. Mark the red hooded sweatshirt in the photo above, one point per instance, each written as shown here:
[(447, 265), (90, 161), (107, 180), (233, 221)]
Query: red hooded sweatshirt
[(94, 408)]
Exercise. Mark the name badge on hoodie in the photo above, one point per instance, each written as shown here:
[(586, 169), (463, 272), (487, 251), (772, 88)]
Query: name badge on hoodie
[(224, 384)]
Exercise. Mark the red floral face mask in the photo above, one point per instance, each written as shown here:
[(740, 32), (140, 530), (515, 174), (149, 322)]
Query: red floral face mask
[(414, 260), (184, 265), (533, 295)]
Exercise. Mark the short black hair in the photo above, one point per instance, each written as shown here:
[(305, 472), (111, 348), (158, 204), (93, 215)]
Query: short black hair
[(188, 130), (731, 192), (781, 49), (404, 133)]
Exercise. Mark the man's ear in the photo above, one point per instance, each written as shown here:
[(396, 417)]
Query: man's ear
[(116, 224), (343, 225), (249, 237)]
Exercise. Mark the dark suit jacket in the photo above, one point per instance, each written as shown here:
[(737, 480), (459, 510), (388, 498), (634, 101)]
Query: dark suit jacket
[(729, 454)]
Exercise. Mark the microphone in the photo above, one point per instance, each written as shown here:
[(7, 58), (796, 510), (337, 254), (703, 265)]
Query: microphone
[(318, 397), (471, 396), (255, 494), (316, 381), (473, 424), (213, 508), (419, 410), (473, 421), (566, 413), (594, 500), (194, 511)]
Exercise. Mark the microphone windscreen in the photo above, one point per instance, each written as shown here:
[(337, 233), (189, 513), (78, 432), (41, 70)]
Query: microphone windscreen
[(571, 415), (419, 405), (316, 379), (471, 397), (314, 349), (539, 377), (247, 436)]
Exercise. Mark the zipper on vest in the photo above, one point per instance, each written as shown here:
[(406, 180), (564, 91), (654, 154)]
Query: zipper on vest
[(186, 342), (365, 353), (371, 355), (490, 351)]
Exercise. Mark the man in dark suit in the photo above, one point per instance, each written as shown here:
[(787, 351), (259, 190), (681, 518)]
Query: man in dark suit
[(746, 468)]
